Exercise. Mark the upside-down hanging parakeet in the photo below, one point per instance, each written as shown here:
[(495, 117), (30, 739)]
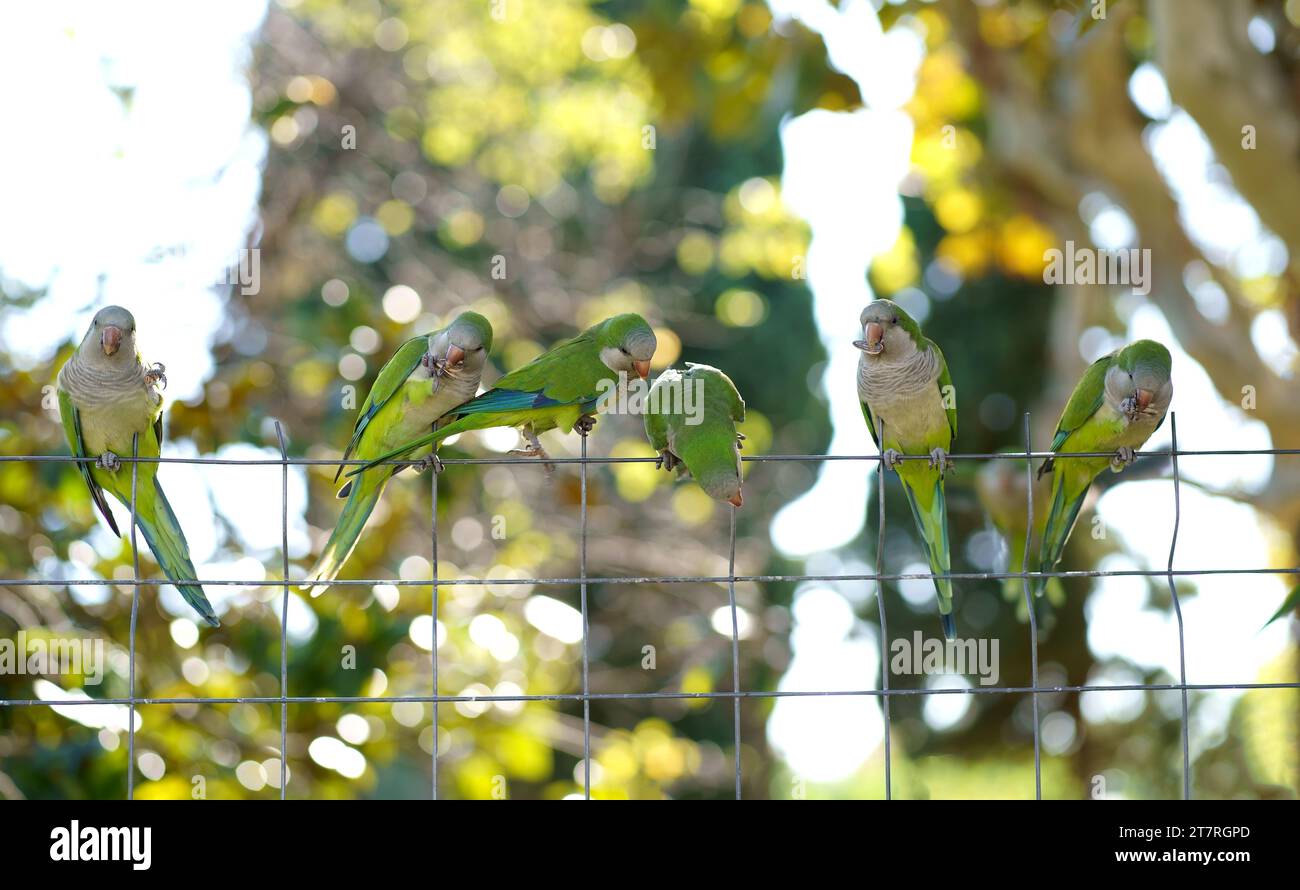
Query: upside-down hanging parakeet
[(107, 397), (704, 438), (903, 381), (1119, 403), (561, 388), (427, 377)]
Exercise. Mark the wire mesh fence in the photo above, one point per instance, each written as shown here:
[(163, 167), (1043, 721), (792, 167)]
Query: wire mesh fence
[(583, 581)]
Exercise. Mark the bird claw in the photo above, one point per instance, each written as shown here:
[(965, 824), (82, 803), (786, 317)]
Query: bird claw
[(156, 375), (740, 440), (536, 450), (939, 460), (431, 461), (585, 424), (1123, 457), (667, 461), (892, 458), (109, 461)]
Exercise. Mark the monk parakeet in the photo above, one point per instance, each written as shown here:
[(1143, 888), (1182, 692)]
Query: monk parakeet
[(427, 377), (559, 388), (107, 397), (704, 440), (903, 381), (1119, 403)]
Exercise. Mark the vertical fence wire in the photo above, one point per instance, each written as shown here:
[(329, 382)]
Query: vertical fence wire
[(1029, 607), (582, 592), (433, 608), (735, 647), (880, 602), (1178, 609), (284, 613), (135, 615)]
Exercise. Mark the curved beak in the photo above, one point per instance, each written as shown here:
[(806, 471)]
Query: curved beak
[(642, 369), (875, 342), (737, 501), (455, 356), (1144, 397), (111, 339)]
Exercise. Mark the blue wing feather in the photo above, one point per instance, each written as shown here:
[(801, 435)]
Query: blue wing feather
[(506, 400)]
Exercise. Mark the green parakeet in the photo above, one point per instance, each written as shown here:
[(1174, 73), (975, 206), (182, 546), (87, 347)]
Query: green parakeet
[(560, 388), (426, 378), (107, 397), (704, 439), (1119, 403), (903, 381)]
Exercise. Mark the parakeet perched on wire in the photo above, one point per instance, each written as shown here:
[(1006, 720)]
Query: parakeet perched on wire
[(903, 381), (107, 397), (1119, 403), (560, 388), (426, 378), (705, 439)]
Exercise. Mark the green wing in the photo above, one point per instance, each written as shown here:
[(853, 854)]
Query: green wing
[(871, 423), (391, 377), (1084, 402), (72, 429), (565, 374), (945, 381)]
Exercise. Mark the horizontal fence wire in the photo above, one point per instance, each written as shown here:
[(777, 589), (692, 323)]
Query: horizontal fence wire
[(584, 580)]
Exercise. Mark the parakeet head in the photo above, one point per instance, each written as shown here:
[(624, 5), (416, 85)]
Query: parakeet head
[(111, 337), (1140, 379), (462, 346), (714, 462), (627, 344), (888, 333)]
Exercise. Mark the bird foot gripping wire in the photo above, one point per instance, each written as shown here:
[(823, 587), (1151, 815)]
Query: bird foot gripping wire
[(892, 458), (585, 424), (155, 375), (1123, 457), (109, 461), (536, 450), (432, 461), (939, 460), (667, 461)]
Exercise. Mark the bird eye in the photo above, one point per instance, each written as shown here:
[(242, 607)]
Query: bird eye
[(623, 350), (893, 321)]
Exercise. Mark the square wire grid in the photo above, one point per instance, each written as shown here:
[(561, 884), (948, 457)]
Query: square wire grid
[(583, 580)]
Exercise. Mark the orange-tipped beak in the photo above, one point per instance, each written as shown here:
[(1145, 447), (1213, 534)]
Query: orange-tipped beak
[(455, 356), (111, 339), (737, 501), (1144, 398), (642, 369), (875, 342)]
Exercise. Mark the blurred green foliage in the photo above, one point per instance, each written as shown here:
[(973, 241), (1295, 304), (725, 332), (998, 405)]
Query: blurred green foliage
[(549, 164)]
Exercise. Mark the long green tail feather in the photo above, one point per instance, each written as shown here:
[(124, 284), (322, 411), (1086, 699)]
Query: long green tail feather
[(932, 521), (1056, 531), (163, 534), (343, 540)]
